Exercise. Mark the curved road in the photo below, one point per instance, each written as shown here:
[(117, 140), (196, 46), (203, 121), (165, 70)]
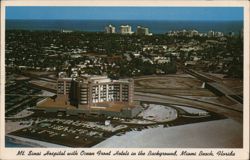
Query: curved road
[(232, 112)]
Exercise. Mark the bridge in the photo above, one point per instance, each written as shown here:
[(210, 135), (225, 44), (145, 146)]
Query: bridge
[(218, 88)]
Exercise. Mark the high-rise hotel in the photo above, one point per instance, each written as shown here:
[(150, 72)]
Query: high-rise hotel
[(110, 29), (126, 29)]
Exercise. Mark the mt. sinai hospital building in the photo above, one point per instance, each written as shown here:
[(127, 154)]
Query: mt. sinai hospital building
[(87, 90), (92, 94)]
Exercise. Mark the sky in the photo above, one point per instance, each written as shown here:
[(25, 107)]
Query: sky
[(127, 13)]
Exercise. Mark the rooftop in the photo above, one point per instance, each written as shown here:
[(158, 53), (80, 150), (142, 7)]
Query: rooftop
[(95, 79)]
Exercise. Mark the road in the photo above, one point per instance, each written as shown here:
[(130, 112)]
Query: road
[(233, 112)]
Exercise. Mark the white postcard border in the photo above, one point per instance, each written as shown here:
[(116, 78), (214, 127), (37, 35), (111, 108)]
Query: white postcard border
[(10, 153)]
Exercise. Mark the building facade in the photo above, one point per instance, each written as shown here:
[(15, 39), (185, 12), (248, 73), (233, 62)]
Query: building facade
[(63, 84), (89, 90), (125, 29), (142, 30), (110, 29)]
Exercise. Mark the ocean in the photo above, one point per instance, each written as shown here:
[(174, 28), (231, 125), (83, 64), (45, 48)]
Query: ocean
[(155, 27), (9, 142)]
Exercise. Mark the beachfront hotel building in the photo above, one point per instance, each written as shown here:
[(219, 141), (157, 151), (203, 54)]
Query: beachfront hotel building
[(125, 29), (90, 90), (142, 31), (110, 29)]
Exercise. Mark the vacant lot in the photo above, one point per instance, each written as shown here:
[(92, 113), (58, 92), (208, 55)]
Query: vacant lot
[(168, 82), (172, 85)]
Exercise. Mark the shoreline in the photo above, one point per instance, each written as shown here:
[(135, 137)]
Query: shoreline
[(16, 24), (32, 142)]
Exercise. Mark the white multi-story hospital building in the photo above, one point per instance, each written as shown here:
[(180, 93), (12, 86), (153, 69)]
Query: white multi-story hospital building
[(87, 90), (87, 94)]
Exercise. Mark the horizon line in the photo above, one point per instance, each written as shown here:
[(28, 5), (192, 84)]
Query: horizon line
[(128, 20)]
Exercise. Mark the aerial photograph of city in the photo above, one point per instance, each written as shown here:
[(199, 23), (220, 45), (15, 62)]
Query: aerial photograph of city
[(124, 77)]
